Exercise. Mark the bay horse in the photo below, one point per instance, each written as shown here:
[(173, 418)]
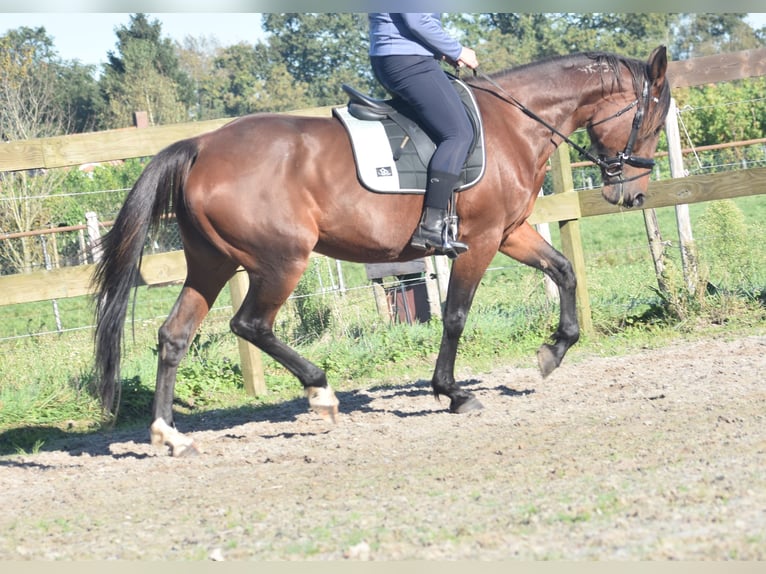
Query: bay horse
[(265, 190)]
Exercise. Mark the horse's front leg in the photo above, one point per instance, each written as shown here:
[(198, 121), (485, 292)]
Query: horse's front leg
[(465, 276), (528, 247)]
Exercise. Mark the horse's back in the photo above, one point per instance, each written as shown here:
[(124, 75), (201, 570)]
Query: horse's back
[(266, 131)]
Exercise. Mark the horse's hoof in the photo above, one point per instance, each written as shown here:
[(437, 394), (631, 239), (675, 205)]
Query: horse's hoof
[(322, 401), (163, 434), (546, 360), (464, 405)]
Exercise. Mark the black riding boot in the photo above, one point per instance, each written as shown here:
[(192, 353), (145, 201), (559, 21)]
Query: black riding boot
[(433, 231)]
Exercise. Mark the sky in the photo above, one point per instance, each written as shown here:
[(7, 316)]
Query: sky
[(88, 36)]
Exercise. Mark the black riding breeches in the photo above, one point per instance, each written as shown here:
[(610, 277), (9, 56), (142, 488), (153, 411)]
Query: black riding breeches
[(421, 82)]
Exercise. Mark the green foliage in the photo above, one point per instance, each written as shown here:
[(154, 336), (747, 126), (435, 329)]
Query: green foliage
[(503, 40), (41, 95), (321, 51), (205, 377), (314, 314), (708, 116), (145, 75), (252, 79), (44, 386), (54, 198), (708, 34), (100, 185), (632, 34), (726, 242)]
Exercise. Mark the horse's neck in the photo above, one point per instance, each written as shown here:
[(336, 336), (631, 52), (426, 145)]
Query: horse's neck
[(563, 93)]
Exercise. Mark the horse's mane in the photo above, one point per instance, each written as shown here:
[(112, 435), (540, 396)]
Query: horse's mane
[(610, 61), (638, 69)]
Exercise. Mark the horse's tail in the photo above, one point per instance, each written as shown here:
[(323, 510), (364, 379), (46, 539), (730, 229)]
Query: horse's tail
[(157, 192)]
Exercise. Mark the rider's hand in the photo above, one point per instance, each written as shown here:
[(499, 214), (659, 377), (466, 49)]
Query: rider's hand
[(468, 58)]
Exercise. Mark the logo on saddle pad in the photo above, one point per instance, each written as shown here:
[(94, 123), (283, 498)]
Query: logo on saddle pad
[(392, 152)]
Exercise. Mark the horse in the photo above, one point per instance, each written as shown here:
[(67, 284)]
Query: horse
[(266, 190)]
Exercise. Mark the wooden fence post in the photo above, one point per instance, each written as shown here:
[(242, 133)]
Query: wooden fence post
[(435, 300), (442, 276), (571, 241), (656, 247), (685, 238), (48, 267), (381, 301), (249, 355), (94, 235), (141, 119)]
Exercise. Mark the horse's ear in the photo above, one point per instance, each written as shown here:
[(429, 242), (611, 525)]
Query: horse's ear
[(658, 65)]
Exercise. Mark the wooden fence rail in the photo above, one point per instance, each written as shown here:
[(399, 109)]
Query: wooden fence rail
[(667, 193)]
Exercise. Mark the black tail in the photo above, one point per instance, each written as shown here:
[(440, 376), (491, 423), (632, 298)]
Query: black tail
[(157, 192)]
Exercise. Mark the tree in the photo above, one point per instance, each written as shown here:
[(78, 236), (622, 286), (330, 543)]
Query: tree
[(253, 79), (504, 40), (79, 99), (197, 59), (37, 100), (145, 75), (28, 85), (629, 34), (322, 51), (708, 34)]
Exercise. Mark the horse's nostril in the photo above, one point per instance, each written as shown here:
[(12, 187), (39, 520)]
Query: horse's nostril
[(638, 201)]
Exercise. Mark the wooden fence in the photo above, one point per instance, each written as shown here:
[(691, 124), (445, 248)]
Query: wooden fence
[(565, 207)]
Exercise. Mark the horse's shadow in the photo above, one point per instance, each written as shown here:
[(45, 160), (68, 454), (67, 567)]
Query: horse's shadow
[(44, 438)]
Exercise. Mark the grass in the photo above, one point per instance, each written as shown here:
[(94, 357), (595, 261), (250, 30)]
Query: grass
[(46, 379)]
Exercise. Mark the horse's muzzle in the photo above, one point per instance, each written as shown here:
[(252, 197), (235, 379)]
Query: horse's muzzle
[(619, 193)]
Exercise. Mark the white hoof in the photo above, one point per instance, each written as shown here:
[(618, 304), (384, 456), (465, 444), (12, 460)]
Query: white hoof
[(162, 433), (322, 400)]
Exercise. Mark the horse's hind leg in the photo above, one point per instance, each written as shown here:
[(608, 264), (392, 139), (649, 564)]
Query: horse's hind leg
[(197, 296), (528, 247), (255, 320)]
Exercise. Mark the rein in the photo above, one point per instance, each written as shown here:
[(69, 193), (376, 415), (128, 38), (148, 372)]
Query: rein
[(612, 166)]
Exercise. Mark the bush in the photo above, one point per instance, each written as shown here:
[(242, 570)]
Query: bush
[(725, 241)]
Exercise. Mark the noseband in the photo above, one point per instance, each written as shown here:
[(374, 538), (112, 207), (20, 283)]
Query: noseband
[(611, 167)]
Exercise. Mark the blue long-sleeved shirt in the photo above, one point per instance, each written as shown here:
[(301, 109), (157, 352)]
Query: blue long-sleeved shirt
[(407, 34)]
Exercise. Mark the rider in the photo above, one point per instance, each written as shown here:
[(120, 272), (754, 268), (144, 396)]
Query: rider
[(405, 50)]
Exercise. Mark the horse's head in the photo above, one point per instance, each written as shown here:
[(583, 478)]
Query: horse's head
[(625, 128)]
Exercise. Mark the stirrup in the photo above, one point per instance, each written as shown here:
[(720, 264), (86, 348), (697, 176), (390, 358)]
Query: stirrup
[(444, 245), (453, 249)]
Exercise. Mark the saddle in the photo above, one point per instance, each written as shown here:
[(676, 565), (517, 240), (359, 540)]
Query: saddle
[(392, 151)]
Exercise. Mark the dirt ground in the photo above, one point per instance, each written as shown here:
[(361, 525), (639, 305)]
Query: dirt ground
[(655, 455)]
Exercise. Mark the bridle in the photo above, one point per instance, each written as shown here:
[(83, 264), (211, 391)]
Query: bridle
[(612, 167)]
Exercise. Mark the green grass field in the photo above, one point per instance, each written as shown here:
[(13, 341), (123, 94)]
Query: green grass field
[(46, 378)]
